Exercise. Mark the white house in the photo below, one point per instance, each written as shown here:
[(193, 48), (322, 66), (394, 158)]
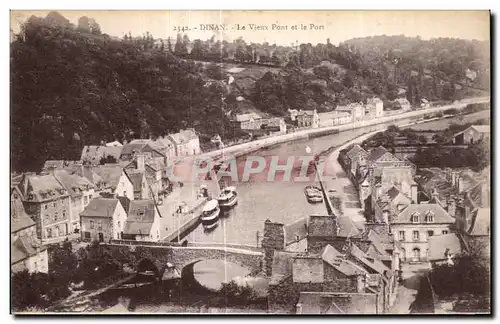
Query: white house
[(472, 134), (375, 107), (102, 220), (116, 181), (143, 221), (186, 142), (333, 118)]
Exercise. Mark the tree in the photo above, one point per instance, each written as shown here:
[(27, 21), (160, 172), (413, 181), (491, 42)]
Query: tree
[(169, 45), (180, 46), (107, 160)]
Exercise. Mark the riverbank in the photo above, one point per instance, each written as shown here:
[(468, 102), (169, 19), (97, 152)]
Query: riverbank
[(249, 147)]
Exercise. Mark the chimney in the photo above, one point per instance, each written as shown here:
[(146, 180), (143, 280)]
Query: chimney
[(414, 193), (140, 162), (485, 197)]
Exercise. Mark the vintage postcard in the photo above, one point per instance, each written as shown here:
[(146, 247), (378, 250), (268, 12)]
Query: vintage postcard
[(250, 162)]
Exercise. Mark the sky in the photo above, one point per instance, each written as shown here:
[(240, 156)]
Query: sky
[(336, 25)]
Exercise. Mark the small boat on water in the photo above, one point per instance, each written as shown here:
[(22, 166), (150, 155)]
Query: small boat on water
[(210, 213), (228, 197), (313, 194)]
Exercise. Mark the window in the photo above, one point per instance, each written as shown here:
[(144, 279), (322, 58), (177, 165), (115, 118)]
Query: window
[(46, 205), (414, 218), (55, 217), (124, 194), (90, 197), (47, 218), (430, 233), (49, 232), (64, 214), (99, 225), (54, 205), (429, 217), (86, 235), (118, 224), (445, 232), (91, 224), (416, 235), (401, 235)]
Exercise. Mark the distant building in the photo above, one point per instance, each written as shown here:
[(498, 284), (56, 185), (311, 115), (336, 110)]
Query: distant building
[(116, 181), (156, 176), (102, 220), (357, 111), (472, 134), (248, 121), (424, 103), (293, 114), (47, 202), (157, 149), (186, 142), (375, 107), (139, 182), (402, 103), (143, 221), (308, 118), (334, 118), (94, 153), (26, 250)]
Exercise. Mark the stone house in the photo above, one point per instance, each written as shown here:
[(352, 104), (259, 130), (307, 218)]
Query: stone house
[(116, 181), (26, 250), (156, 175), (248, 121), (47, 202), (415, 224), (293, 114), (334, 118), (94, 153), (356, 110), (472, 134), (375, 108), (351, 159), (81, 192), (140, 184), (157, 149), (186, 142), (169, 145), (102, 220), (308, 118), (143, 221)]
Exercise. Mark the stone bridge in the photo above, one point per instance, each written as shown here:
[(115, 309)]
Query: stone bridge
[(160, 253)]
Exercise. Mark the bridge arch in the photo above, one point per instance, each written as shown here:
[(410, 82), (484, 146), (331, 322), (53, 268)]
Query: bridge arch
[(145, 264)]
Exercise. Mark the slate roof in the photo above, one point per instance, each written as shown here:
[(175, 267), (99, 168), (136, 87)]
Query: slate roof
[(307, 270), (376, 153), (337, 260), (24, 247), (94, 153), (438, 244), (73, 183), (481, 128), (136, 177), (282, 266), (355, 151), (100, 207), (322, 226), (440, 215), (19, 219), (59, 164), (42, 188), (125, 201), (346, 227), (481, 220), (110, 174), (374, 264), (140, 218), (297, 228)]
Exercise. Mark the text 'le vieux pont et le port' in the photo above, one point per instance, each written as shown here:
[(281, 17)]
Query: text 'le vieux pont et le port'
[(249, 27)]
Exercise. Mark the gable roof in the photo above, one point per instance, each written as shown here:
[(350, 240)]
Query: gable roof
[(438, 244), (282, 266), (481, 220), (440, 215), (19, 219), (481, 128), (322, 226), (24, 247), (141, 216), (307, 270), (94, 153), (100, 207), (338, 261), (43, 187), (73, 183), (355, 151), (346, 227), (376, 153), (110, 174), (125, 202), (296, 229), (136, 177), (372, 263)]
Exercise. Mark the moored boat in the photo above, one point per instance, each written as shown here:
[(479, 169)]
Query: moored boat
[(210, 213), (313, 194), (228, 197)]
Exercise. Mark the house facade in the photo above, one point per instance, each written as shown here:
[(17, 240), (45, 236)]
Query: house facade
[(415, 224), (473, 134), (116, 181), (27, 252), (308, 118), (375, 107), (81, 192), (356, 110), (334, 118), (47, 202), (138, 179), (186, 142), (143, 221), (103, 220), (94, 153)]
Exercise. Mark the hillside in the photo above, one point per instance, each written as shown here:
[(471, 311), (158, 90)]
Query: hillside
[(73, 85)]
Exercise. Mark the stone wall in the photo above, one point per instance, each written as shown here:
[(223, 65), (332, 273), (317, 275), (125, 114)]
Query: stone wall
[(273, 239)]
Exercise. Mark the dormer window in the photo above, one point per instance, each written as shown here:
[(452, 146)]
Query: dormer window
[(429, 217), (415, 218)]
